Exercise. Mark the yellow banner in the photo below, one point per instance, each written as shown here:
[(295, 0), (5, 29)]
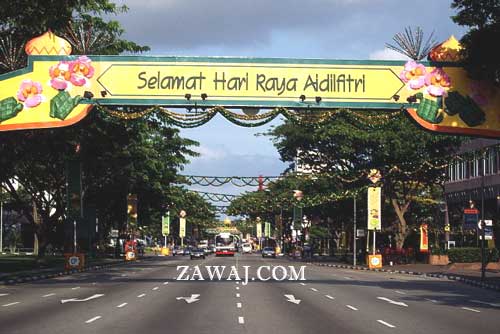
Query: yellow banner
[(374, 208), (182, 227), (424, 238), (56, 91)]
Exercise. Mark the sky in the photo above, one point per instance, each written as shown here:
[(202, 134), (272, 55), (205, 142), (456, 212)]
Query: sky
[(332, 29)]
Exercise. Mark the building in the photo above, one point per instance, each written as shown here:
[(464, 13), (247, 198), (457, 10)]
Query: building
[(476, 171)]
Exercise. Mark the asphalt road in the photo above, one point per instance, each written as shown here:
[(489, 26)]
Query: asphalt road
[(146, 297)]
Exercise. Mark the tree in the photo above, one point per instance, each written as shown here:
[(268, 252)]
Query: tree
[(483, 19), (348, 145)]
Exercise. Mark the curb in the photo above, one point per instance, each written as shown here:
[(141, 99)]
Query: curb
[(450, 277), (37, 277)]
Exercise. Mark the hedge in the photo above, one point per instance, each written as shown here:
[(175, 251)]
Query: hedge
[(471, 254)]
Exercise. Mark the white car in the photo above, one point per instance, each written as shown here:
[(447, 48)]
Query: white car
[(246, 248)]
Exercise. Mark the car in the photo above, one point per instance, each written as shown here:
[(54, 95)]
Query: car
[(177, 251), (268, 252), (246, 248), (197, 253)]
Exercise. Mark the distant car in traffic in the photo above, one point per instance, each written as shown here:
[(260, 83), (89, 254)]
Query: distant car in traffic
[(197, 253), (246, 248), (268, 252), (177, 251)]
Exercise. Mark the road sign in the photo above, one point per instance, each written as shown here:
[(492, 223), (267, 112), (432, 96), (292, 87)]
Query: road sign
[(488, 229), (375, 261), (471, 218), (360, 233)]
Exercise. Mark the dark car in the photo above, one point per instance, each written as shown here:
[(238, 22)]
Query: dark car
[(268, 252), (197, 253)]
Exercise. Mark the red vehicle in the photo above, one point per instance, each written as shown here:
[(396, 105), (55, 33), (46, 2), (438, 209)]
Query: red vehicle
[(225, 244)]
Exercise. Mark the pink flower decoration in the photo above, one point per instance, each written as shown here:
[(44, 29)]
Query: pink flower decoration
[(30, 92), (438, 82), (81, 70), (413, 74), (60, 75)]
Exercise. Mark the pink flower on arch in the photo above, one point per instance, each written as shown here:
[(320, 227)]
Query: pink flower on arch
[(30, 92), (438, 82), (60, 75), (81, 70), (413, 74)]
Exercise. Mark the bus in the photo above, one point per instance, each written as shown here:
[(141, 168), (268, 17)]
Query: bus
[(225, 244)]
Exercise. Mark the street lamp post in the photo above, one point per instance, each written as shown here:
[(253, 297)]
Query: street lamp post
[(483, 257), (355, 237)]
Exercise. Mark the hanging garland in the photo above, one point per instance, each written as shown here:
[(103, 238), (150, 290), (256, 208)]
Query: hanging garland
[(238, 181)]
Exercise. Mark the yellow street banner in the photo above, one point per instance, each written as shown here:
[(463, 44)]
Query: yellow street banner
[(182, 227), (57, 89), (374, 208), (259, 230)]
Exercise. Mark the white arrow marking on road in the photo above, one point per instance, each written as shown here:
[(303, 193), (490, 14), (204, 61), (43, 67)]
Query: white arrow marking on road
[(189, 300), (81, 300), (486, 303), (291, 299), (392, 301)]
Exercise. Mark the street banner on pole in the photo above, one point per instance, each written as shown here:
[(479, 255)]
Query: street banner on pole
[(267, 230), (424, 238), (259, 230), (471, 218), (165, 225), (374, 208), (297, 217), (182, 227)]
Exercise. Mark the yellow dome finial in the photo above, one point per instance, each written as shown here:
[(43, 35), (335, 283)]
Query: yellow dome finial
[(449, 50), (48, 44)]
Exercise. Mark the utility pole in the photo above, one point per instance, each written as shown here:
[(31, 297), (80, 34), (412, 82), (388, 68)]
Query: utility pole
[(483, 257), (355, 236)]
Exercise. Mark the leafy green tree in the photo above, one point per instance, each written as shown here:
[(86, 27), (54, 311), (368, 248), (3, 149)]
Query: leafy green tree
[(348, 145), (483, 19)]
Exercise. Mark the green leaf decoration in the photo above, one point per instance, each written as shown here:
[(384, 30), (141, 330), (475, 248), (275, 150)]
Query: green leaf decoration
[(453, 103), (429, 111), (466, 108), (62, 104), (9, 108)]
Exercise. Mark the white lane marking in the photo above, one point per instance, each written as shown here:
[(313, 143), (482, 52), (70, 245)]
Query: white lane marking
[(93, 319), (486, 303), (10, 304), (400, 292), (313, 289), (155, 288), (431, 300), (241, 320), (81, 300), (122, 305), (75, 288), (141, 295), (237, 288), (386, 323), (48, 295), (392, 301), (237, 295), (3, 294), (352, 307), (347, 277), (238, 305), (470, 309), (165, 283), (329, 297), (302, 283)]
